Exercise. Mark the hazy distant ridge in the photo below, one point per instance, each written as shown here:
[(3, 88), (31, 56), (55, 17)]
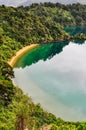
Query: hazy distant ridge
[(28, 2)]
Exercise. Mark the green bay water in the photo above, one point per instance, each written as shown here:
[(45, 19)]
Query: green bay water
[(55, 75), (76, 30)]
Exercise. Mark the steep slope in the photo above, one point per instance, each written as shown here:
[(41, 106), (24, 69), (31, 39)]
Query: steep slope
[(24, 26), (20, 27)]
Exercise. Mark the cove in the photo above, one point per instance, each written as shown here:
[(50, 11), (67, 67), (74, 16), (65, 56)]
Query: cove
[(55, 76), (75, 30)]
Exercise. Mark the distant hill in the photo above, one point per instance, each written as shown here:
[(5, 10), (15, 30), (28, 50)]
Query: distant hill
[(28, 2)]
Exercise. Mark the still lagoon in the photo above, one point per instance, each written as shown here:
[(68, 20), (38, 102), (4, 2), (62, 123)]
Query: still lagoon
[(54, 75)]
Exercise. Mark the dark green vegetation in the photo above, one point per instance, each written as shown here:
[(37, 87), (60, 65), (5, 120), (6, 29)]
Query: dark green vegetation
[(20, 27), (43, 52)]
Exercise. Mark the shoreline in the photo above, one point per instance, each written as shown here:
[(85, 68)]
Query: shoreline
[(19, 53)]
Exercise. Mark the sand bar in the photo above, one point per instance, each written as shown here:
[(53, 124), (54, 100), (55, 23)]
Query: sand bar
[(13, 60)]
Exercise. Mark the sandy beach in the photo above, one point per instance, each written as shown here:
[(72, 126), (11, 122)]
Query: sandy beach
[(13, 60)]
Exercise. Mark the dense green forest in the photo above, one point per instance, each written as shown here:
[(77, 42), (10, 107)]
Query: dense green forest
[(23, 26)]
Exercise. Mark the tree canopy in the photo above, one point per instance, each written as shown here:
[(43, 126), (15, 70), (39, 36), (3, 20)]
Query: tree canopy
[(22, 26)]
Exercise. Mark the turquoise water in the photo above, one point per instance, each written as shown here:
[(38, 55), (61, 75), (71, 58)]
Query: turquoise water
[(55, 76), (76, 30)]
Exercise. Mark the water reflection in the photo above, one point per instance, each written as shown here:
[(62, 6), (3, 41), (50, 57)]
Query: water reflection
[(76, 30), (55, 76), (42, 52), (79, 41), (57, 81)]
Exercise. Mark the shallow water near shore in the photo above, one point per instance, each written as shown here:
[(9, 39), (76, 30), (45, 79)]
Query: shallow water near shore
[(55, 76)]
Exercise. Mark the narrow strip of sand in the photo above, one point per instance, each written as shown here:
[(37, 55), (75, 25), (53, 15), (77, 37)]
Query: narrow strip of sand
[(14, 59)]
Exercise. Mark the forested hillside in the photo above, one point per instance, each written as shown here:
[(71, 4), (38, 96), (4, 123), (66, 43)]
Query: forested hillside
[(20, 27)]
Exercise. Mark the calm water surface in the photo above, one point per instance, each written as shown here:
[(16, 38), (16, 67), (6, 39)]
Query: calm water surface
[(55, 76)]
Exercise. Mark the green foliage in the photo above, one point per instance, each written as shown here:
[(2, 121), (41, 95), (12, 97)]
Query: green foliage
[(22, 26), (78, 11), (32, 25), (6, 86), (7, 119), (6, 70)]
